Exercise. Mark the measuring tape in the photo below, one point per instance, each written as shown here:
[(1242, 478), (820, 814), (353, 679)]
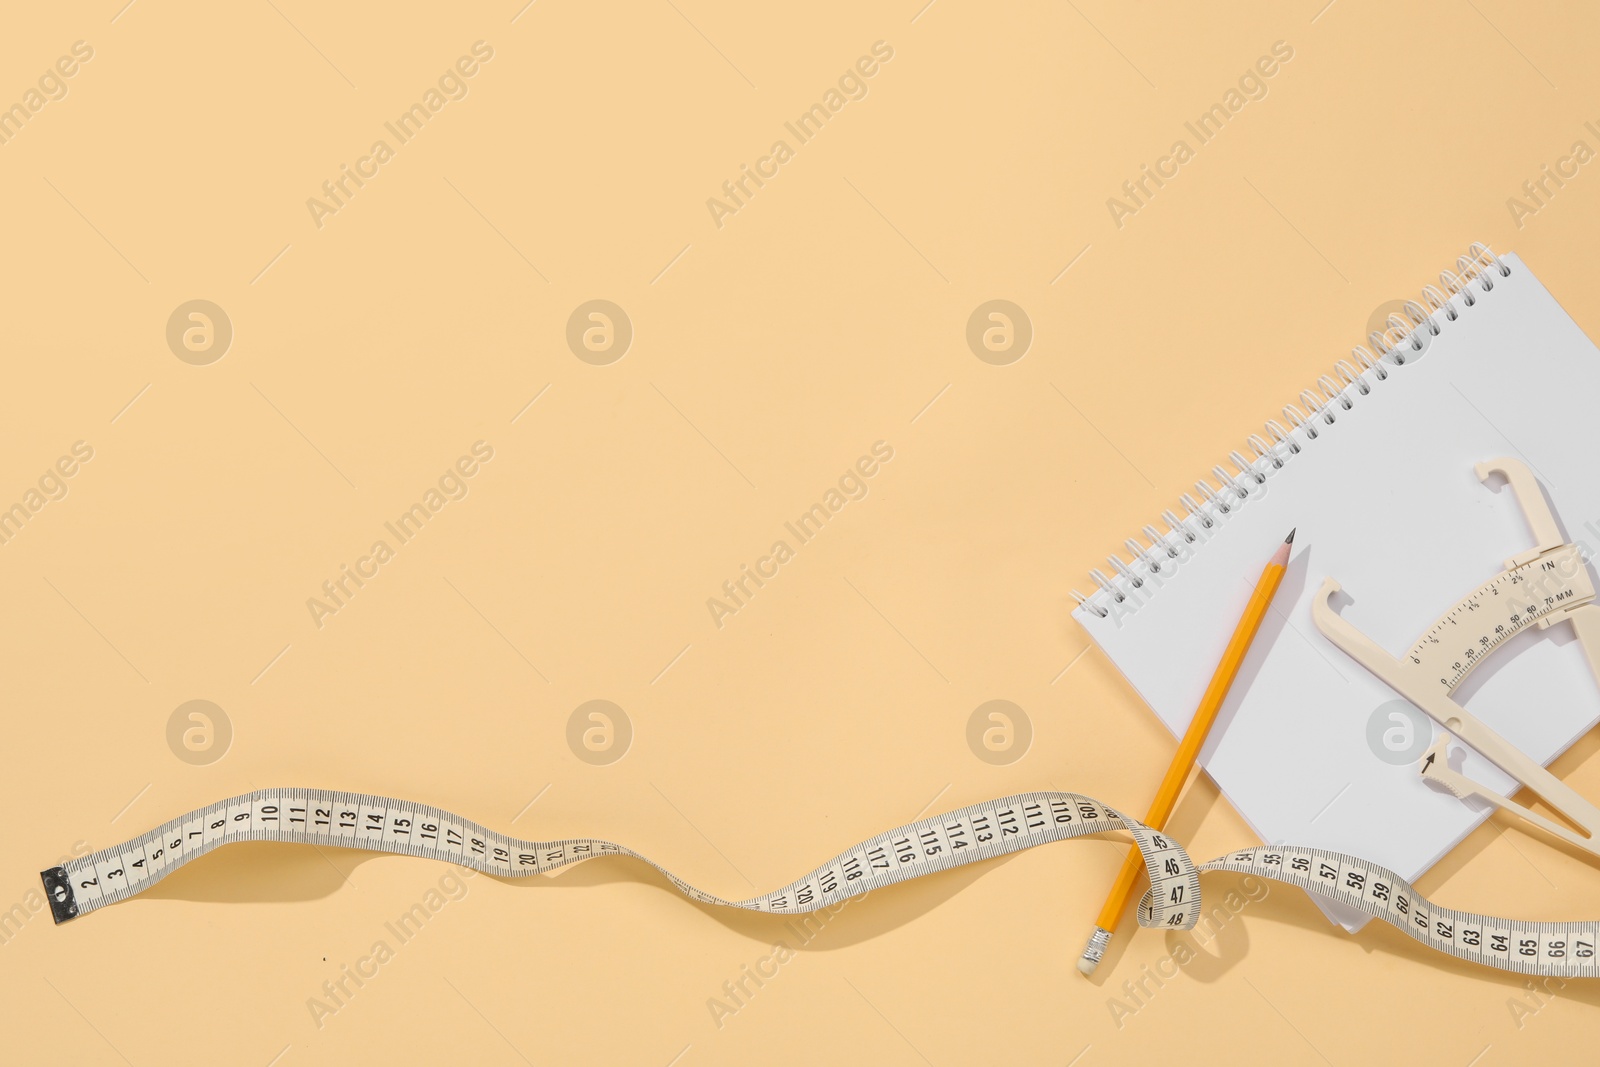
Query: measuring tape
[(969, 835)]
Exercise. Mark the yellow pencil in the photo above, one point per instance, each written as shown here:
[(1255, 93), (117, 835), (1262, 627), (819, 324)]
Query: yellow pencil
[(1188, 750)]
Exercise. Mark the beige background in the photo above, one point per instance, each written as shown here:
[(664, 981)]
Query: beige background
[(829, 313)]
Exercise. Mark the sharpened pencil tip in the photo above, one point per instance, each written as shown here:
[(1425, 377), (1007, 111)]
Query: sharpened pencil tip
[(1290, 539)]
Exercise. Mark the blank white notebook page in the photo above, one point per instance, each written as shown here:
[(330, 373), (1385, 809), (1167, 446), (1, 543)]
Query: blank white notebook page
[(1386, 502)]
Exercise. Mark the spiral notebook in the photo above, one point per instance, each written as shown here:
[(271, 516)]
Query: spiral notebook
[(1374, 466)]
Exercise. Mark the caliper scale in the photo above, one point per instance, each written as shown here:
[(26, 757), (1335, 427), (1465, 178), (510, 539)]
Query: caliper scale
[(1546, 585)]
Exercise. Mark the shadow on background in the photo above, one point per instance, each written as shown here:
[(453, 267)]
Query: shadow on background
[(254, 872)]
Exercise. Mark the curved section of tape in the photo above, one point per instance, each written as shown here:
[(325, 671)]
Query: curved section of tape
[(355, 820), (1547, 949), (924, 846)]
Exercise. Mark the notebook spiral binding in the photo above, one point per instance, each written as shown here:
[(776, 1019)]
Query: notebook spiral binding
[(1400, 339)]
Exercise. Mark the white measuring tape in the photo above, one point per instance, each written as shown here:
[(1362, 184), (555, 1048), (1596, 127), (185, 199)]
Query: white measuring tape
[(979, 832)]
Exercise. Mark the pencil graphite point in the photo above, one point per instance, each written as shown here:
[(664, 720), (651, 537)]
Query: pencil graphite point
[(1290, 539)]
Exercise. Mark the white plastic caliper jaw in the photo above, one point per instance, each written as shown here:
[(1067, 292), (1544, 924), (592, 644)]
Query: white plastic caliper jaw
[(1545, 585)]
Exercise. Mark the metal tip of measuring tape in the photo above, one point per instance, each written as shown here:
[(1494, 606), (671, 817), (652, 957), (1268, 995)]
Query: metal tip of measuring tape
[(1094, 951), (58, 891)]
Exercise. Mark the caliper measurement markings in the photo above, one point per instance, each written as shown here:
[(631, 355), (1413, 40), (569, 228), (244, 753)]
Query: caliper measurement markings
[(1497, 611)]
